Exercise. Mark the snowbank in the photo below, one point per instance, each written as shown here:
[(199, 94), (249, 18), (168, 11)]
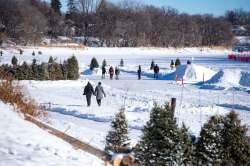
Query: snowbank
[(230, 78), (189, 73), (95, 71), (193, 73), (245, 79), (23, 143)]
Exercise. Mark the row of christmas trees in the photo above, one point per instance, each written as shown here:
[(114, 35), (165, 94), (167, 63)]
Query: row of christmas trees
[(94, 63), (68, 70), (222, 141)]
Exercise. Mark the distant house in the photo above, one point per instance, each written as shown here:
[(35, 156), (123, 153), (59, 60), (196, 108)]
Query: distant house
[(240, 30)]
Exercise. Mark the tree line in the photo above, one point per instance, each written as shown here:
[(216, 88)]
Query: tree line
[(68, 70), (223, 140), (127, 24)]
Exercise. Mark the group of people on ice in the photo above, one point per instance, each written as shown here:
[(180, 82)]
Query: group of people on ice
[(98, 92), (116, 72), (111, 72)]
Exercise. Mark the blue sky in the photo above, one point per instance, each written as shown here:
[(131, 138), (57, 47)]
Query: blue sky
[(215, 7)]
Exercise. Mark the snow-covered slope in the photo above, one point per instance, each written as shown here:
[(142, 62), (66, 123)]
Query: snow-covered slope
[(22, 143), (193, 73), (230, 78)]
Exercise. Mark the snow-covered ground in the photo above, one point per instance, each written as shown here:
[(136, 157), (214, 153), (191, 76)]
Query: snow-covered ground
[(196, 101), (23, 143)]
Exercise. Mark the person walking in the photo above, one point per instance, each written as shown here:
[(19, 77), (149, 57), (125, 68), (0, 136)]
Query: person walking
[(88, 91), (117, 72), (172, 64), (156, 71), (111, 72), (103, 72), (99, 93), (139, 72)]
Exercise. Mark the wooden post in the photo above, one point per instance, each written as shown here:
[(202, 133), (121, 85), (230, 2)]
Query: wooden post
[(173, 104)]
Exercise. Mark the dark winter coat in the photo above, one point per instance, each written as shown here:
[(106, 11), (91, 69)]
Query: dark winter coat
[(103, 70), (117, 71), (88, 90), (139, 70), (99, 92), (156, 69), (111, 70)]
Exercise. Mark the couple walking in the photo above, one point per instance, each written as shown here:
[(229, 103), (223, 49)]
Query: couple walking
[(99, 93)]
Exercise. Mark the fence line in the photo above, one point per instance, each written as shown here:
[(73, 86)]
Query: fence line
[(71, 140)]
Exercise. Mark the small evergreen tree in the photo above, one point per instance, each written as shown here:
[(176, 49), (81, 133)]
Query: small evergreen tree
[(187, 158), (236, 143), (162, 142), (51, 60), (56, 72), (19, 73), (20, 51), (43, 72), (121, 63), (26, 71), (209, 149), (93, 64), (177, 62), (14, 61), (223, 141), (117, 138), (152, 65), (104, 63), (64, 69), (34, 70), (72, 68)]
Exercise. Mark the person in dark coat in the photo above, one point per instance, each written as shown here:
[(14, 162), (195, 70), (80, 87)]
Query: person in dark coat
[(99, 93), (172, 64), (139, 72), (117, 72), (156, 71), (88, 91), (111, 72), (103, 72)]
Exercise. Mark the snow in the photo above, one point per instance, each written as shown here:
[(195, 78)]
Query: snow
[(95, 71), (196, 102), (228, 78), (23, 143), (245, 79), (243, 39), (193, 73)]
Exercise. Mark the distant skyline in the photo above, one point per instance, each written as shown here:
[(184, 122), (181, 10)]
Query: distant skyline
[(215, 7)]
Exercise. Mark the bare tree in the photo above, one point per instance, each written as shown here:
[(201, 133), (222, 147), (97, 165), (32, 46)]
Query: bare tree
[(88, 6)]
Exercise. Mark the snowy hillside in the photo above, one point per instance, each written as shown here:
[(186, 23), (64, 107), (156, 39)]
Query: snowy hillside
[(23, 143), (196, 102)]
